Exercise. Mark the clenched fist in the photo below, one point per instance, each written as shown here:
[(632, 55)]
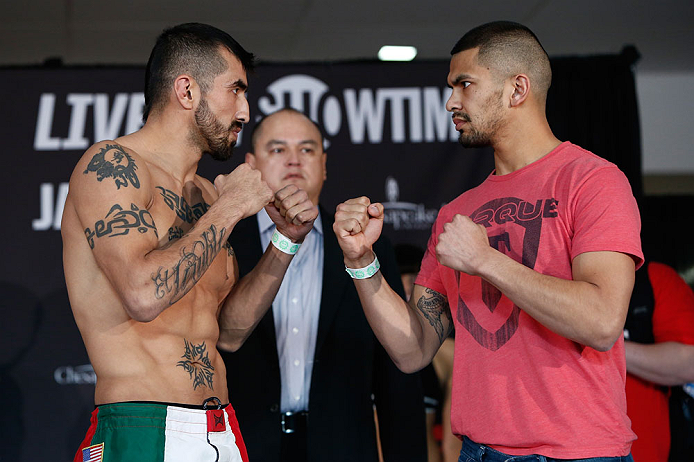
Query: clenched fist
[(358, 224), (243, 190), (292, 212), (463, 245)]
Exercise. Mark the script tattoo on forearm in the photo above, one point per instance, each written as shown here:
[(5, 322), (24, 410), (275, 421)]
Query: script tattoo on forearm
[(113, 162), (119, 222), (195, 259), (432, 307), (197, 364), (187, 213)]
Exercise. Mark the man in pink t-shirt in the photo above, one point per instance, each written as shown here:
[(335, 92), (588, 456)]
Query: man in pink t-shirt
[(534, 268)]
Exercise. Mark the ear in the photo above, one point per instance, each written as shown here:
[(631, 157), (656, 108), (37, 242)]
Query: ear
[(250, 159), (186, 91), (521, 90), (325, 166)]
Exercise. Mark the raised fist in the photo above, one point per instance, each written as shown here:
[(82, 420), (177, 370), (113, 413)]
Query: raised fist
[(358, 224), (292, 212), (243, 190)]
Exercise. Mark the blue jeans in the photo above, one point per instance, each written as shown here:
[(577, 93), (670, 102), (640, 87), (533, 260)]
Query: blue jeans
[(474, 452)]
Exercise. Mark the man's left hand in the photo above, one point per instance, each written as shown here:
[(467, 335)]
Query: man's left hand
[(292, 212)]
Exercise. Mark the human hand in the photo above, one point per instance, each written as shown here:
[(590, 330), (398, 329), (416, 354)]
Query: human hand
[(292, 212), (463, 245), (243, 189), (358, 223)]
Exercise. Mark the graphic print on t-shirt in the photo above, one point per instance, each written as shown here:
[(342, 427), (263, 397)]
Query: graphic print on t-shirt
[(513, 227)]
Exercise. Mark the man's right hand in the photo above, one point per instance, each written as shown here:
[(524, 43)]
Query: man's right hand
[(244, 190), (358, 223)]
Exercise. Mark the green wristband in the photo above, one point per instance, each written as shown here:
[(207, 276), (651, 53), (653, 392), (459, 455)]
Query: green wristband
[(284, 244), (365, 272)]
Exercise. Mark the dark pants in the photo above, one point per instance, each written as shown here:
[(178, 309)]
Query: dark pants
[(474, 452), (294, 433)]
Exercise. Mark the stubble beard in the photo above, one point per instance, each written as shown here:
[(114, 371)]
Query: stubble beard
[(471, 137), (211, 135)]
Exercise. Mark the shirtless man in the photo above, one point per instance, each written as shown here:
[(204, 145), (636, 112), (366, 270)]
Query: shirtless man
[(152, 282)]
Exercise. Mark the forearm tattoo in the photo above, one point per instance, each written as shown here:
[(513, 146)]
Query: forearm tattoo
[(119, 222), (113, 162), (175, 282), (197, 364), (187, 213), (433, 305)]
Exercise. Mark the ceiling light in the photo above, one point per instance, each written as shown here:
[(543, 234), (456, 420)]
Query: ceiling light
[(397, 53)]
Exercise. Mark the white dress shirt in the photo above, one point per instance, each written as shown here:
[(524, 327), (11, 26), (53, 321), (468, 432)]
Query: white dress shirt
[(295, 310)]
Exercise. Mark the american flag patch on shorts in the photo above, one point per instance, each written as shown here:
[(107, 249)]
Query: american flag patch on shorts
[(93, 453)]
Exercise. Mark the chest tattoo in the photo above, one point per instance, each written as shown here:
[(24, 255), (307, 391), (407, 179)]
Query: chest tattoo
[(184, 211)]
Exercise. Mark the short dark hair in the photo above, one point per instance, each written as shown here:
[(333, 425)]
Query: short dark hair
[(510, 48), (191, 48), (255, 133)]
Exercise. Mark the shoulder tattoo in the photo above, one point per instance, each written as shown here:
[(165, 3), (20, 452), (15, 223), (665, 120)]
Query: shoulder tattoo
[(433, 306), (196, 362), (113, 162)]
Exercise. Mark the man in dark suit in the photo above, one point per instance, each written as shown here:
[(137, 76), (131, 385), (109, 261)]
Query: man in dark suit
[(306, 381)]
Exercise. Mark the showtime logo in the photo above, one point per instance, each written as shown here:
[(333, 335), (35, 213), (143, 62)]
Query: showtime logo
[(416, 114)]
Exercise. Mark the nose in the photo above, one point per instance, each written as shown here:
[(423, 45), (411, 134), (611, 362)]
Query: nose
[(453, 104), (293, 157), (243, 111)]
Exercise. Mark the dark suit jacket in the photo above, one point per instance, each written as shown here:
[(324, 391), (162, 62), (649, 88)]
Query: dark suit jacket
[(350, 365)]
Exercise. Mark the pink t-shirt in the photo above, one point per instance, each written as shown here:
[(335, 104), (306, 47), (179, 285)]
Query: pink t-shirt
[(517, 386)]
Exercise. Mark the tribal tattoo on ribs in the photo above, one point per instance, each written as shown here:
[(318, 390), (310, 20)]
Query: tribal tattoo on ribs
[(432, 307), (113, 162), (196, 362), (119, 222)]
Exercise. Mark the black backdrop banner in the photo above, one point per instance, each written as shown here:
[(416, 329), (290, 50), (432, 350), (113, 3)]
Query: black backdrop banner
[(388, 137)]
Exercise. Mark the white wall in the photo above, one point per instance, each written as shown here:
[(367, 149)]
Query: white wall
[(666, 107)]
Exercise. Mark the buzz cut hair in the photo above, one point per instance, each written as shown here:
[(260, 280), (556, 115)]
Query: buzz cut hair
[(193, 49), (510, 49)]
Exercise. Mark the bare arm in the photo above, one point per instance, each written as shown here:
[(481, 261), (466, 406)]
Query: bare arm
[(666, 363), (146, 277), (590, 309), (410, 333), (251, 297), (669, 361)]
